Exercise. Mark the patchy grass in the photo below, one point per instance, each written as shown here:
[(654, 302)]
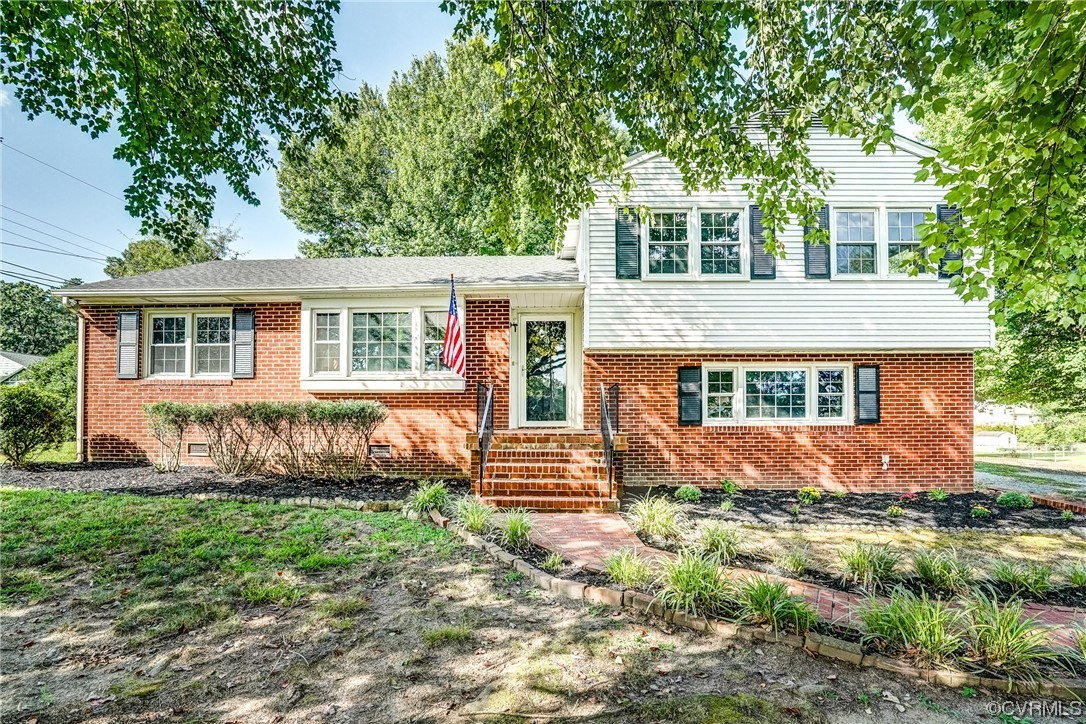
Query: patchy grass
[(447, 635)]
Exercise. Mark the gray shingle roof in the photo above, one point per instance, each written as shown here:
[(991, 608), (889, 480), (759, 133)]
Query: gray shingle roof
[(19, 358), (300, 275)]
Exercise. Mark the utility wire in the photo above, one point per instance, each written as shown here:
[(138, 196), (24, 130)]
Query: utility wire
[(22, 278), (66, 231), (51, 236), (58, 170), (36, 271), (31, 277), (46, 251), (40, 241)]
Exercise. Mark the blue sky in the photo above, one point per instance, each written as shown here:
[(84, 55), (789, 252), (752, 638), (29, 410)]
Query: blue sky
[(374, 40)]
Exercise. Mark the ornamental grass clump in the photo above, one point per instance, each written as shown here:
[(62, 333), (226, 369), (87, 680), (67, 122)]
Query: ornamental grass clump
[(1003, 640), (1075, 573), (688, 493), (925, 630), (1024, 577), (943, 571), (719, 540), (515, 531), (625, 568), (869, 565), (658, 517), (553, 563), (473, 515), (793, 561), (764, 602), (1015, 500), (692, 583), (429, 496)]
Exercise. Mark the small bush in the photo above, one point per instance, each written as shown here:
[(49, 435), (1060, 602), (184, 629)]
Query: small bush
[(1075, 573), (1024, 577), (908, 498), (895, 511), (658, 517), (720, 541), (473, 515), (692, 583), (870, 565), (688, 493), (515, 531), (30, 420), (553, 563), (838, 495), (762, 602), (943, 571), (809, 495), (925, 630), (794, 511), (168, 422), (1067, 515), (979, 511), (429, 496), (1002, 639), (626, 569), (730, 487), (727, 505), (938, 495), (794, 561), (1015, 500)]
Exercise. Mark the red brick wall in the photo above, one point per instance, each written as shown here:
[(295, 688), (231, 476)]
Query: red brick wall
[(426, 429), (926, 428)]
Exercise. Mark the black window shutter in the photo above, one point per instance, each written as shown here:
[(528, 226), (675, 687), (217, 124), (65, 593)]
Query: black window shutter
[(690, 395), (128, 345), (627, 244), (763, 265), (244, 342), (951, 216), (867, 394), (816, 257)]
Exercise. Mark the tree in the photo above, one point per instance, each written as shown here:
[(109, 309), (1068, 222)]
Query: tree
[(193, 88), (398, 177), (731, 90), (57, 375), (33, 321), (153, 253)]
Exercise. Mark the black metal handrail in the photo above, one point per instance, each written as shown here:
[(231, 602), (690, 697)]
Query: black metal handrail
[(484, 416), (608, 429)]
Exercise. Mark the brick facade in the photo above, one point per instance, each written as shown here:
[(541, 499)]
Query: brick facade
[(926, 428), (425, 429)]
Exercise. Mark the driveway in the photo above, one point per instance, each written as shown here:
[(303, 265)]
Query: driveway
[(1031, 479)]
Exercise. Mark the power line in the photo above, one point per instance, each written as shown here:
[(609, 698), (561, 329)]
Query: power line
[(22, 278), (39, 241), (51, 236), (66, 231), (46, 251), (36, 271), (58, 170), (31, 277)]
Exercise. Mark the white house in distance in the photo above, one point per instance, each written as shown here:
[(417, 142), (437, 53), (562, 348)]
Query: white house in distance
[(992, 413), (12, 365)]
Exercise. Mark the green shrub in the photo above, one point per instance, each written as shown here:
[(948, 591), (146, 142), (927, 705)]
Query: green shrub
[(1075, 573), (429, 496), (284, 427), (938, 495), (794, 511), (341, 433), (1024, 577), (688, 493), (869, 565), (1015, 500), (895, 511), (1067, 515), (838, 495), (926, 630), (57, 375), (553, 563), (30, 420), (658, 517), (730, 487), (793, 561), (473, 515), (763, 602), (809, 495), (625, 568), (979, 511), (943, 571), (515, 531), (727, 505), (720, 541), (692, 583), (1002, 639), (168, 422)]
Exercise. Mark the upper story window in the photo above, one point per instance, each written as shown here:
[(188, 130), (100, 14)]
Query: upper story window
[(184, 344), (903, 239), (669, 244), (693, 244), (721, 248), (776, 394), (857, 245)]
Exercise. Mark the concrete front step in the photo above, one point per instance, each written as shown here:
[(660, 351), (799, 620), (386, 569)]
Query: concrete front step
[(567, 504)]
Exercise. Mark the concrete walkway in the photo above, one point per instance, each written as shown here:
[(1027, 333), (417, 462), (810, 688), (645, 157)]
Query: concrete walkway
[(587, 539)]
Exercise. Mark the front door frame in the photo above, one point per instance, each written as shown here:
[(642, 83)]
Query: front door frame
[(574, 360)]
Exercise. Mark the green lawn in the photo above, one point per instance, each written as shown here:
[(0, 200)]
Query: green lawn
[(62, 453)]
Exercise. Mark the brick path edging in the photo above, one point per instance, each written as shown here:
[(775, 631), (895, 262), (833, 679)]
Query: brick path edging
[(1048, 501), (814, 643)]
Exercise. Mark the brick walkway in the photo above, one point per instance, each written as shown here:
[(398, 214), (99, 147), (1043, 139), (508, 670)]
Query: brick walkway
[(587, 539)]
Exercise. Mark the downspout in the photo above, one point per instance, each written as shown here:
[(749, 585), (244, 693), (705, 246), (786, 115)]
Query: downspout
[(80, 454)]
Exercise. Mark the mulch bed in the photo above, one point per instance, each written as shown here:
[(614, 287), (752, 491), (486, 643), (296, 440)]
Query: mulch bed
[(145, 480), (771, 508)]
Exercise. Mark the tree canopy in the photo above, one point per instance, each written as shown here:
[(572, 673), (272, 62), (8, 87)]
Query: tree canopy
[(730, 90), (398, 176), (154, 253), (32, 321), (193, 87)]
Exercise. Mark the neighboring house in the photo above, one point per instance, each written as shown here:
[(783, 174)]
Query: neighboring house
[(986, 441), (12, 365), (991, 413), (831, 367)]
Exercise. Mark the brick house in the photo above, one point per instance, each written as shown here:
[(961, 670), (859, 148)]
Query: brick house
[(666, 341)]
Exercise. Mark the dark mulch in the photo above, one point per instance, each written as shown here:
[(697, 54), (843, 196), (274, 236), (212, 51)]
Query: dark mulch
[(145, 480), (771, 508)]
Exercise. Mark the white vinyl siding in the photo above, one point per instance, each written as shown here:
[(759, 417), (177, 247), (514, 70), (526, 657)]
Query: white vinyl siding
[(790, 312)]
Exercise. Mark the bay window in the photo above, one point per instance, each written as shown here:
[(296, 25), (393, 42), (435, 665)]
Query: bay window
[(775, 394)]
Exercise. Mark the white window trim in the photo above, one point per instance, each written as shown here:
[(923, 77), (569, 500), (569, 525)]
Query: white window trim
[(190, 316), (880, 241), (740, 419), (346, 380), (693, 243)]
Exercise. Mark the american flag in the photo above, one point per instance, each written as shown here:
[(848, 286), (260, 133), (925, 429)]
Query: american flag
[(452, 354)]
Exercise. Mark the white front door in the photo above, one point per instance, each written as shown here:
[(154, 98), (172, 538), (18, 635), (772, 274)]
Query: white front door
[(545, 377)]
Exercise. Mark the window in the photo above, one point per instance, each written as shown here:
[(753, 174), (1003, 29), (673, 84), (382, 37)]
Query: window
[(720, 394), (381, 342), (903, 239), (669, 246), (720, 247), (169, 344), (326, 342), (830, 395), (212, 344), (773, 394), (434, 342), (856, 245)]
